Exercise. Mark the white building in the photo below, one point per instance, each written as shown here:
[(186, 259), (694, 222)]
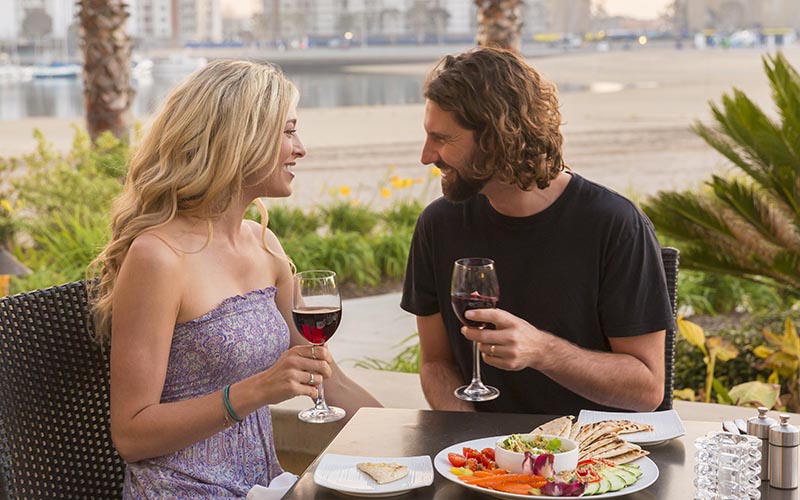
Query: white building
[(175, 20), (62, 14)]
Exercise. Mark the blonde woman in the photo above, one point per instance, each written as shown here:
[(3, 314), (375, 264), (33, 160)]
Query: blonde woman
[(196, 301)]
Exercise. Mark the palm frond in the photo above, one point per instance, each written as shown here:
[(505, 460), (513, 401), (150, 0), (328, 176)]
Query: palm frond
[(754, 207)]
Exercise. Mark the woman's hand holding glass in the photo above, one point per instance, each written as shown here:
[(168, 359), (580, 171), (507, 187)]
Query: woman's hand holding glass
[(290, 375)]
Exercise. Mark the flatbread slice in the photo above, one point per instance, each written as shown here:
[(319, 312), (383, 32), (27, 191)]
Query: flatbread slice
[(605, 442), (616, 451), (558, 427), (629, 456), (573, 433), (604, 427), (629, 426), (383, 472)]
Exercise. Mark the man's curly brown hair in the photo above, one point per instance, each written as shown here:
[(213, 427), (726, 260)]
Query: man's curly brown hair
[(511, 109)]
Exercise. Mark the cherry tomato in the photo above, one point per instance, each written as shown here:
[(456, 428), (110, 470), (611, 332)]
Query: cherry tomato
[(472, 453), (488, 453), (457, 460)]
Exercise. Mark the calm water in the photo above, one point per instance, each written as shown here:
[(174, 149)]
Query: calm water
[(63, 98)]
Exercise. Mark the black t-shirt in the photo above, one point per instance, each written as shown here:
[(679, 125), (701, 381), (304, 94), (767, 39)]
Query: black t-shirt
[(586, 268)]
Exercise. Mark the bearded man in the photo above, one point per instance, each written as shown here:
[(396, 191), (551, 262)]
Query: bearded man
[(583, 303)]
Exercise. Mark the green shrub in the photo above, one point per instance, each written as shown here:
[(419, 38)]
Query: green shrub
[(288, 222), (343, 217), (391, 251), (402, 214)]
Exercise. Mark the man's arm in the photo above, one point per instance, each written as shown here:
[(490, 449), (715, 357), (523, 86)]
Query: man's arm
[(630, 377), (437, 370)]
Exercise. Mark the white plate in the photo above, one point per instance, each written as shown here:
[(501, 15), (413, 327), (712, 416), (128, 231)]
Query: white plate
[(442, 465), (667, 424), (339, 472)]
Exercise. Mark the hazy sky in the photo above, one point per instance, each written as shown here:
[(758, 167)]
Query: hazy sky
[(645, 9)]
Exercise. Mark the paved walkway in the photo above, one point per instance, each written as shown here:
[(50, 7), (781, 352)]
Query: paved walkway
[(372, 327)]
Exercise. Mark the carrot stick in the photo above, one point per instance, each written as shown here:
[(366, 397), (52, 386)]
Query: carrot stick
[(504, 478), (481, 473), (516, 488), (498, 471)]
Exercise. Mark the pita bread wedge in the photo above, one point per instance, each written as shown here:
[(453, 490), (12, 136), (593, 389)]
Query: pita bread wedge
[(573, 433), (605, 442), (604, 427), (621, 449), (383, 472), (629, 456), (628, 426), (558, 427)]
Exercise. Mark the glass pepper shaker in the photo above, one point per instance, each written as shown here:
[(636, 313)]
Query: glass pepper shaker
[(783, 454), (759, 427)]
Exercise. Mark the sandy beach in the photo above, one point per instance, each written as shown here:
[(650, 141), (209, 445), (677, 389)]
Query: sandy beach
[(626, 119)]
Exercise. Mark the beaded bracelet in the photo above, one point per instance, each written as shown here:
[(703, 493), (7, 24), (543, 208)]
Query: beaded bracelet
[(227, 403)]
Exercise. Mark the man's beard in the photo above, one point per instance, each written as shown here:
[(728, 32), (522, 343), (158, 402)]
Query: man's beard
[(458, 189)]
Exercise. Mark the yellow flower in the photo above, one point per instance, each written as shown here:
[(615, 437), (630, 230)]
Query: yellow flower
[(396, 182), (345, 190), (7, 206), (408, 182), (386, 192), (435, 172)]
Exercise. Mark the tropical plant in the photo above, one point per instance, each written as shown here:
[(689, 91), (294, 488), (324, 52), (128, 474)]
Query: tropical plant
[(107, 86), (782, 356), (746, 226), (715, 349), (407, 361), (500, 23)]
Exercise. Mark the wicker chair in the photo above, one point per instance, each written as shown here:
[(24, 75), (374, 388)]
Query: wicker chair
[(670, 257), (55, 441)]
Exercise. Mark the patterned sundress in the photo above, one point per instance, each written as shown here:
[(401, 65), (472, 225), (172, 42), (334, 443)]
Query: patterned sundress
[(242, 336)]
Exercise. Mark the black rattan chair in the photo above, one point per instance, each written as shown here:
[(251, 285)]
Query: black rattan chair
[(55, 440), (670, 257)]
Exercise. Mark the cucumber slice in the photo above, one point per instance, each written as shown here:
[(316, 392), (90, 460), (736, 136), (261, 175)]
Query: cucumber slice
[(605, 485), (634, 469), (627, 476), (617, 483), (591, 488)]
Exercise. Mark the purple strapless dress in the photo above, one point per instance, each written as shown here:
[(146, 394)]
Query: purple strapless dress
[(242, 336)]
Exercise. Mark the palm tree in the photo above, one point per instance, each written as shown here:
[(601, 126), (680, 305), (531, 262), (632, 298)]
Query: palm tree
[(746, 225), (500, 23), (107, 87)]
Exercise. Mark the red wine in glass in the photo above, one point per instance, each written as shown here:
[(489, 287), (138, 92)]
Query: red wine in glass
[(463, 302), (317, 324), (474, 286), (317, 311)]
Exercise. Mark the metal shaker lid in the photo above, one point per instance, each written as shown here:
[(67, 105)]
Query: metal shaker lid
[(759, 426), (784, 434)]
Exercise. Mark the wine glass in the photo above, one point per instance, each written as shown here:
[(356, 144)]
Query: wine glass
[(317, 311), (474, 286)]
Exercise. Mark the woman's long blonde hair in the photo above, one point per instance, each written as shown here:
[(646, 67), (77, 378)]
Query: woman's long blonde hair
[(217, 128)]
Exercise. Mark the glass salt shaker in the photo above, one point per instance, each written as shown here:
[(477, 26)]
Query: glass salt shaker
[(783, 454), (759, 427)]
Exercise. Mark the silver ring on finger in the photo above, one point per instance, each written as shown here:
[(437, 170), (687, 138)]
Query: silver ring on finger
[(491, 350), (313, 354), (311, 380)]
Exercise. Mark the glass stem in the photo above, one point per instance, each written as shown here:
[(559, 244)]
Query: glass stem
[(320, 403), (476, 363)]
